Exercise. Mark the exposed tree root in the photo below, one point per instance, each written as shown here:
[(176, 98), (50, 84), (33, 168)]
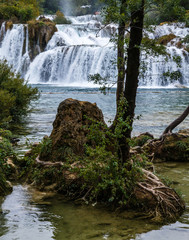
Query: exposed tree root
[(162, 202), (48, 164)]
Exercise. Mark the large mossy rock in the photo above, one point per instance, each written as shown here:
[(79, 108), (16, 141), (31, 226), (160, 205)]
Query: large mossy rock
[(172, 147), (71, 127), (40, 32)]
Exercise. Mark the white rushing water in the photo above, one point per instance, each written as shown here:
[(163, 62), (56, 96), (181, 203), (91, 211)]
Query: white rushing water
[(83, 48)]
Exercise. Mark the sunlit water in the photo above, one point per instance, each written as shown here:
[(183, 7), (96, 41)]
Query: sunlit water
[(21, 218)]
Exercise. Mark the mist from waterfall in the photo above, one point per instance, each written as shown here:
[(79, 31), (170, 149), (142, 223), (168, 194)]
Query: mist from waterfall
[(66, 7)]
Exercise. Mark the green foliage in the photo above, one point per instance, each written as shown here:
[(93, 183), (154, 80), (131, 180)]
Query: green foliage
[(173, 76), (49, 7), (60, 18), (122, 124), (165, 11), (46, 148), (6, 151), (105, 179), (139, 141), (6, 133), (18, 11), (182, 146), (186, 39), (15, 97), (104, 82)]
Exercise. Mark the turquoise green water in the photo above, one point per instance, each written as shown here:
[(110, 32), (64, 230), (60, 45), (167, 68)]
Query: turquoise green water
[(22, 218)]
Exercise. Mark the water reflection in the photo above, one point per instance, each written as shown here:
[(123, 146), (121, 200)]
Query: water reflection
[(61, 220), (23, 220)]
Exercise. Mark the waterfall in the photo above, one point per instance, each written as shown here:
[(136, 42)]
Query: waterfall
[(14, 48), (83, 48)]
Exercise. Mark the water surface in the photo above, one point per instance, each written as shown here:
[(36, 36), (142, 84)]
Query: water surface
[(22, 218)]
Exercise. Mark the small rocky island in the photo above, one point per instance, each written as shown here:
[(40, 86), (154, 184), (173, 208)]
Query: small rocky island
[(79, 160)]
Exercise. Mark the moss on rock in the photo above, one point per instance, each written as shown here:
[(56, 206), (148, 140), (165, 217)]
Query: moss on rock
[(40, 32), (172, 147), (165, 39)]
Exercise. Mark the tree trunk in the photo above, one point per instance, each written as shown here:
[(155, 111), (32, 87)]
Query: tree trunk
[(121, 53), (133, 64), (177, 121)]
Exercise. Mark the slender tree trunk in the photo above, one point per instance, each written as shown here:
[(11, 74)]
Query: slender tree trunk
[(121, 53), (133, 64), (177, 121)]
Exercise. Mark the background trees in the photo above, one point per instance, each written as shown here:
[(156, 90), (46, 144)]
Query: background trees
[(18, 11), (15, 96)]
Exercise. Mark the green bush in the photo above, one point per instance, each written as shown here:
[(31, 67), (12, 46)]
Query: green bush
[(15, 96), (6, 151), (60, 18), (20, 11)]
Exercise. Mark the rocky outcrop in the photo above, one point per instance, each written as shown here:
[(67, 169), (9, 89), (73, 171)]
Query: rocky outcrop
[(61, 164), (8, 25), (171, 147), (71, 126), (40, 32)]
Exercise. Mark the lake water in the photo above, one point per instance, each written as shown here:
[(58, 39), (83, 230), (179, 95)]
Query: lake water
[(22, 218)]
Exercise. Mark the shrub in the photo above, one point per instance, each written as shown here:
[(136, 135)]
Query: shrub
[(6, 151), (20, 11), (15, 95), (60, 18)]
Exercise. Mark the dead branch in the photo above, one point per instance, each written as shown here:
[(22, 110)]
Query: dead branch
[(48, 164), (176, 122)]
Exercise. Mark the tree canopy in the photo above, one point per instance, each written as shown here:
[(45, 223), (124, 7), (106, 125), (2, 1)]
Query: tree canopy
[(18, 11)]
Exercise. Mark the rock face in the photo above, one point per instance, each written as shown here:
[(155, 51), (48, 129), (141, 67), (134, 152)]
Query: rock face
[(173, 147), (40, 32), (70, 128)]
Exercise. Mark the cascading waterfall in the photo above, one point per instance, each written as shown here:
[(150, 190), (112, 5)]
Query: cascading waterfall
[(14, 48), (84, 48)]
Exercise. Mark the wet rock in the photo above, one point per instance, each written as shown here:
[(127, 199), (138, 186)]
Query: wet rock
[(40, 32), (40, 196), (8, 25)]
